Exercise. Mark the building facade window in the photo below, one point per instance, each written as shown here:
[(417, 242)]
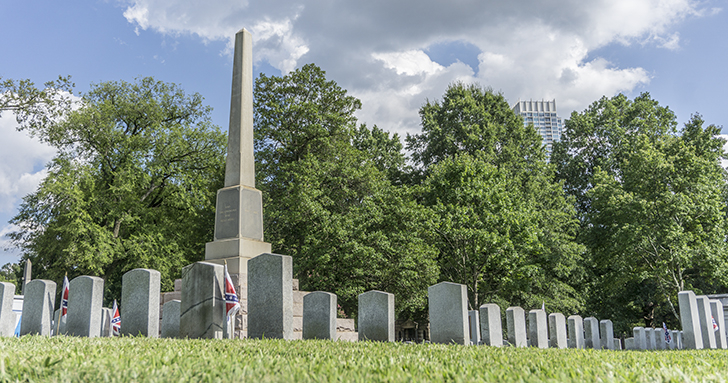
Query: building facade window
[(543, 116)]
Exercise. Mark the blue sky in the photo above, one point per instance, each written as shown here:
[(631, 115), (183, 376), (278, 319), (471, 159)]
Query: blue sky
[(392, 55)]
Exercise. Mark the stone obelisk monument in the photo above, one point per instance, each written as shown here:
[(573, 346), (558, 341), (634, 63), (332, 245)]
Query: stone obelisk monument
[(239, 209)]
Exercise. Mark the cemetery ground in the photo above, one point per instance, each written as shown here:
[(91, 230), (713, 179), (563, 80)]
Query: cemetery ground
[(71, 359)]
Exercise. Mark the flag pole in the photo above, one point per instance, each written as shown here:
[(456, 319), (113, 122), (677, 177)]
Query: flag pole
[(227, 317), (60, 310)]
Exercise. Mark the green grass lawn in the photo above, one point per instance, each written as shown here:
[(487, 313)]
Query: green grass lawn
[(68, 359)]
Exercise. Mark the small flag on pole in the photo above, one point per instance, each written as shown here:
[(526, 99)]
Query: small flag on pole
[(115, 320), (64, 297), (231, 297), (715, 324), (543, 305), (668, 338)]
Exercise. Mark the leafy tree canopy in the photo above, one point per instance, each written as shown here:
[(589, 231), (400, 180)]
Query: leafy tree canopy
[(328, 199), (503, 228), (597, 137), (476, 121), (653, 205), (133, 183)]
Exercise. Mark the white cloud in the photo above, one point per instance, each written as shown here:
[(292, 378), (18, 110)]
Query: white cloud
[(410, 63), (22, 167), (375, 49), (4, 240), (22, 163), (276, 43)]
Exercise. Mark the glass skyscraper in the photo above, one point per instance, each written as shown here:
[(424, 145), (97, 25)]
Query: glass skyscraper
[(542, 114)]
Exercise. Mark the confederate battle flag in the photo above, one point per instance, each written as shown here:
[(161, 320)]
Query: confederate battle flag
[(115, 320), (64, 297), (231, 297)]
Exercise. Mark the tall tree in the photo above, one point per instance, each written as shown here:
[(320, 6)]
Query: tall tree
[(133, 183), (653, 204), (328, 201), (504, 227), (477, 121), (596, 138)]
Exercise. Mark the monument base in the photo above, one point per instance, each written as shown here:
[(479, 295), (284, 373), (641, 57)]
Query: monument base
[(235, 247), (236, 252)]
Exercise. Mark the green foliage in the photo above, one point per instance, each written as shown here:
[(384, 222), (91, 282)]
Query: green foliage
[(30, 103), (509, 244), (12, 273), (653, 204), (504, 228), (476, 121), (71, 359), (133, 184), (596, 138), (328, 198), (384, 150)]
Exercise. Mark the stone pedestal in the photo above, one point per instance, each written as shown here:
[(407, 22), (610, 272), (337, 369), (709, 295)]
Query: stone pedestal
[(617, 344), (140, 290), (202, 310), (660, 339), (557, 330), (640, 338), (651, 338), (474, 326), (629, 344), (85, 299), (38, 303), (691, 334), (319, 315), (678, 337), (376, 316), (170, 319), (26, 275), (7, 316), (673, 340), (516, 326), (491, 328), (538, 329), (591, 333), (716, 308), (270, 297), (576, 331), (607, 329), (448, 311), (706, 321), (106, 330)]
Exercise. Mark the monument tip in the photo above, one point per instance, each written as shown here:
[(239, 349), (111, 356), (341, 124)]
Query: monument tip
[(243, 30)]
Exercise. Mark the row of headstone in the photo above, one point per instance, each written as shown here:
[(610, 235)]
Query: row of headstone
[(201, 311), (85, 316), (702, 321), (646, 338), (270, 306), (451, 323)]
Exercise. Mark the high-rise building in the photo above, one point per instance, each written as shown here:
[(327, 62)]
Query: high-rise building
[(542, 114)]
